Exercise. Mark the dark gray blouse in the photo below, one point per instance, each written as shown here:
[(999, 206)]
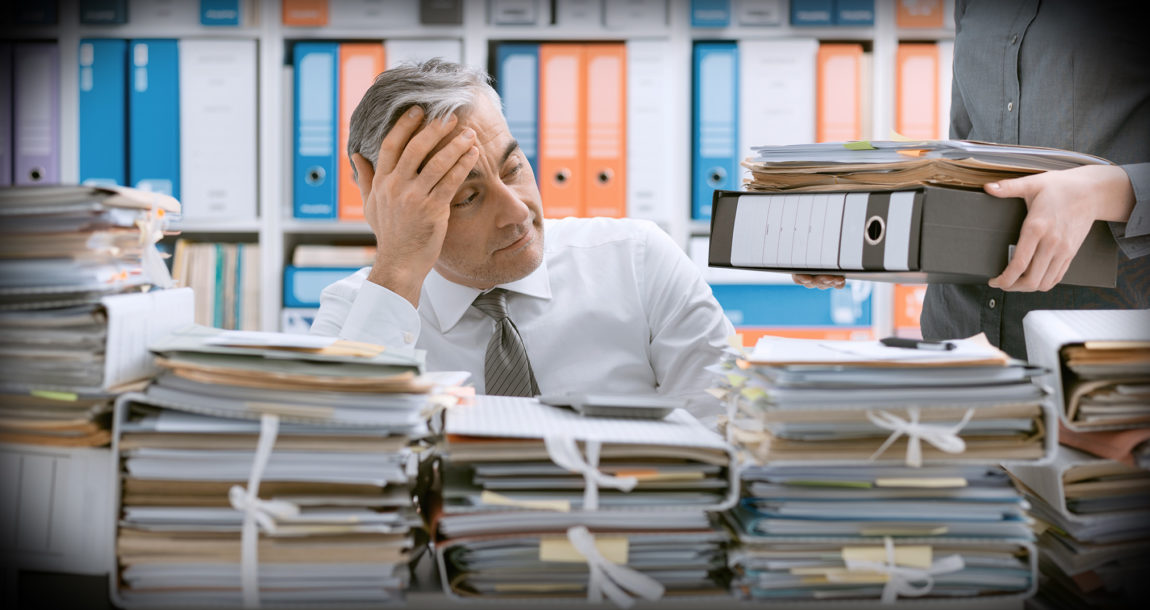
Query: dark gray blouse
[(1069, 74)]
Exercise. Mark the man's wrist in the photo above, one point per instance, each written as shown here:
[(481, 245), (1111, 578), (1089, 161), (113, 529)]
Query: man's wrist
[(404, 284)]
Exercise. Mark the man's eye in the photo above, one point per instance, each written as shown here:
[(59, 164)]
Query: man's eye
[(466, 201), (514, 171)]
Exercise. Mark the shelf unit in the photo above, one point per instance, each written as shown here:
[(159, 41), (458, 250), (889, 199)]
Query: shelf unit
[(276, 229)]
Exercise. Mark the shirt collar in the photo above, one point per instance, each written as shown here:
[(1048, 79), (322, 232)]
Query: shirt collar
[(449, 301)]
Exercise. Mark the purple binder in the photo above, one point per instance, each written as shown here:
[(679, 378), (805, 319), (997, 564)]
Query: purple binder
[(36, 113)]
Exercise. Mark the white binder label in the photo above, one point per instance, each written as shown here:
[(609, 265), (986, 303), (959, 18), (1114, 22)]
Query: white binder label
[(898, 218)]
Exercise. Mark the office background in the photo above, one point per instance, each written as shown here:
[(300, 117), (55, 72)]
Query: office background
[(632, 107)]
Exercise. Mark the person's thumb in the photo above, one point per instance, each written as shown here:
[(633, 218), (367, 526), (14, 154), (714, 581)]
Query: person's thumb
[(1015, 187)]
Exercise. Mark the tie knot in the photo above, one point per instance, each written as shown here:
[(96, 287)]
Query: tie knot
[(493, 303)]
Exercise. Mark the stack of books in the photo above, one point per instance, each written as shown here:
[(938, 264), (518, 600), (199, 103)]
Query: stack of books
[(1092, 503), (79, 273), (270, 468), (872, 470), (539, 502)]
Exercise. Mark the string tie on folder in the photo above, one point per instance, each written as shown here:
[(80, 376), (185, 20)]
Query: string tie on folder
[(151, 232), (565, 453), (257, 512), (901, 579), (611, 579), (944, 438)]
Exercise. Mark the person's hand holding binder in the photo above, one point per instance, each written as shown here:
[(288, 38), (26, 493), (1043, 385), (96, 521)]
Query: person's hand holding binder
[(1061, 206), (407, 196), (822, 282)]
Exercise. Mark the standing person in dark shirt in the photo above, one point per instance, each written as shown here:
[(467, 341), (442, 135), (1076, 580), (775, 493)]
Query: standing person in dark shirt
[(1062, 74)]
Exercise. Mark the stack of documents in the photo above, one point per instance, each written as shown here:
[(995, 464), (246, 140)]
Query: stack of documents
[(261, 467), (68, 245), (1092, 503), (798, 400), (872, 471), (78, 273), (892, 165), (823, 532), (528, 487)]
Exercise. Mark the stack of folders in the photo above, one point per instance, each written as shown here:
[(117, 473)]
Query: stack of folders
[(540, 503), (78, 273), (911, 212), (871, 470), (1092, 504), (273, 469)]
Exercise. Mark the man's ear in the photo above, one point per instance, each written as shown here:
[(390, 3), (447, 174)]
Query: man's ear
[(364, 174)]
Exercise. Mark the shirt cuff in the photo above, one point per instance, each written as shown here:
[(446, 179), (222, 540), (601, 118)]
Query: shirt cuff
[(381, 316), (1138, 224)]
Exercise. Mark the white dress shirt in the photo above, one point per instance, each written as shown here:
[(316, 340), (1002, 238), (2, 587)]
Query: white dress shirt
[(616, 306)]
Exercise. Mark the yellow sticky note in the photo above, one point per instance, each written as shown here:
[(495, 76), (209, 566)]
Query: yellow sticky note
[(494, 499), (753, 393), (858, 145), (51, 395), (612, 548), (918, 556), (921, 482), (735, 379), (358, 349)]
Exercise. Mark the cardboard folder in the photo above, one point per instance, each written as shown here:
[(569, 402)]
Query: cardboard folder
[(926, 234)]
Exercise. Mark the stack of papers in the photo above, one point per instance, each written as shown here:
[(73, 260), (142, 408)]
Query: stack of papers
[(67, 245), (798, 527), (1092, 503), (74, 320), (1093, 520), (796, 400), (335, 504), (871, 471), (891, 165), (520, 476)]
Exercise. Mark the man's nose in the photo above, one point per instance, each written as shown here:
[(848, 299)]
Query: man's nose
[(511, 210)]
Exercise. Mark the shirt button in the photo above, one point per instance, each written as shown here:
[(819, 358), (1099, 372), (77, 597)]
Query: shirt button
[(992, 303), (1014, 39), (410, 337), (1010, 106)]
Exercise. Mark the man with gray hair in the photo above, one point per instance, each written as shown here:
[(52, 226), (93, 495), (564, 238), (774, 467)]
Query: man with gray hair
[(462, 269)]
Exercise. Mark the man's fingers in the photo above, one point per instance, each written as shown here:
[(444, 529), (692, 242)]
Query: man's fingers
[(421, 144), (444, 160), (449, 184), (1031, 277), (363, 174), (802, 278), (391, 148)]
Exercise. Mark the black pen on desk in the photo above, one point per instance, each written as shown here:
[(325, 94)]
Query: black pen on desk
[(941, 346)]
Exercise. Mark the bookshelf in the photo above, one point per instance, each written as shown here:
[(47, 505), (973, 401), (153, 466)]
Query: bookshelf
[(275, 228)]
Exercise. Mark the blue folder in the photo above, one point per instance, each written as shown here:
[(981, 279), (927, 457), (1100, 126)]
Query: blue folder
[(781, 305), (154, 116), (220, 12), (102, 12), (854, 12), (812, 12), (517, 79), (715, 163), (303, 285), (710, 13), (103, 101), (314, 178)]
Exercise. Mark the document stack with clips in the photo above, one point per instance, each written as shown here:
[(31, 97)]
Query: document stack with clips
[(908, 212), (78, 273), (541, 503), (270, 469), (1092, 503), (871, 472)]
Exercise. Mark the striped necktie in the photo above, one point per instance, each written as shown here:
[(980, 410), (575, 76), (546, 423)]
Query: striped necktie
[(506, 370)]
